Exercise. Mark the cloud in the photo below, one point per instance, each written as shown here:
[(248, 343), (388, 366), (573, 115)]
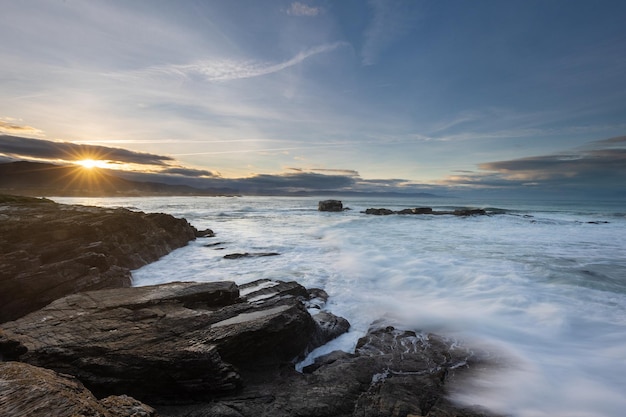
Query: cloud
[(348, 172), (601, 164), (190, 172), (300, 9), (19, 147), (300, 181), (391, 20), (8, 126), (226, 69)]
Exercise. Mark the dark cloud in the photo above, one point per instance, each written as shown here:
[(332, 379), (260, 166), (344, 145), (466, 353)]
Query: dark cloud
[(19, 147), (289, 182), (349, 172), (190, 172), (299, 181), (612, 141), (599, 165)]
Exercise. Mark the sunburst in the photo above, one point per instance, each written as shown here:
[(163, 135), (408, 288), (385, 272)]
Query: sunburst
[(92, 163)]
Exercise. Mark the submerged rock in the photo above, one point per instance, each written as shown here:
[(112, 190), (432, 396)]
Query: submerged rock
[(50, 250), (27, 390), (249, 255), (167, 343)]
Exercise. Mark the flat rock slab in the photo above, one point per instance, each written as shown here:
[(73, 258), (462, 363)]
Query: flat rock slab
[(166, 343)]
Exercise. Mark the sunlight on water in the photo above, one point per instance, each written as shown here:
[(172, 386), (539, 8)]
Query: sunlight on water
[(541, 286)]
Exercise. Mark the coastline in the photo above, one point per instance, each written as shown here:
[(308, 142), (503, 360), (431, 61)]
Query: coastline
[(361, 382)]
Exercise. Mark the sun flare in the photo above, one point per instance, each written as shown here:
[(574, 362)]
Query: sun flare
[(91, 163)]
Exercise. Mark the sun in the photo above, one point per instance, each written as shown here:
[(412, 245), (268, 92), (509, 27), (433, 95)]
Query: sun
[(91, 163)]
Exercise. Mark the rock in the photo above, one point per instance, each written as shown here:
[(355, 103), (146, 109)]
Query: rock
[(27, 390), (50, 250), (168, 343), (469, 212), (249, 255), (425, 210), (205, 233), (391, 373), (379, 211), (330, 205), (125, 406), (417, 210)]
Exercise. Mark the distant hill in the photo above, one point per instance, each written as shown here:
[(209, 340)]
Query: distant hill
[(43, 179)]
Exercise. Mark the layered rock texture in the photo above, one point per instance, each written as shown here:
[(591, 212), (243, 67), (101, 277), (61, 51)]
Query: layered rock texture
[(392, 373), (172, 342), (50, 250), (27, 390)]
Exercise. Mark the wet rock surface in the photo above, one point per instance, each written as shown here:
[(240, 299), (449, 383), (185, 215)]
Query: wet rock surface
[(50, 250), (392, 373), (169, 343)]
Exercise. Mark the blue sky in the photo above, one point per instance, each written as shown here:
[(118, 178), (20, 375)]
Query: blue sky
[(407, 95)]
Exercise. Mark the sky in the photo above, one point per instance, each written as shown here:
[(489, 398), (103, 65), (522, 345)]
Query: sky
[(438, 96)]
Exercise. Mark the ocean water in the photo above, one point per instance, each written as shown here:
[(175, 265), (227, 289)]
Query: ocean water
[(539, 287)]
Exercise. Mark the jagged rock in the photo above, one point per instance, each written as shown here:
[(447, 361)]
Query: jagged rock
[(170, 342), (391, 373), (27, 390), (50, 250), (330, 205), (205, 233)]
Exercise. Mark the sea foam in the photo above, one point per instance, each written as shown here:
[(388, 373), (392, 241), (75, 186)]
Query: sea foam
[(538, 288)]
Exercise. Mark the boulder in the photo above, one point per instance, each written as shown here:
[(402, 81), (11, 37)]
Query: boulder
[(27, 390), (168, 343), (50, 250), (330, 205)]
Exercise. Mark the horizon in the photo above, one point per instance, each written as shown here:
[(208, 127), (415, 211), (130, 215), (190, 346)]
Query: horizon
[(447, 98)]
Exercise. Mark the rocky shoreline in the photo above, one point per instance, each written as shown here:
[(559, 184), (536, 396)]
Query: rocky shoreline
[(185, 348)]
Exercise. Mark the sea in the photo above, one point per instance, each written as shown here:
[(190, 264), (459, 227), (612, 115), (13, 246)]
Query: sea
[(538, 288)]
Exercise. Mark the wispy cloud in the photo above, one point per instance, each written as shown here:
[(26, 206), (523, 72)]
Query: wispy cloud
[(391, 20), (301, 9), (11, 126), (227, 69)]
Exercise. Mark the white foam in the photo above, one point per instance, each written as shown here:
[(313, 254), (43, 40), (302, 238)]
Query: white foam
[(545, 293)]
